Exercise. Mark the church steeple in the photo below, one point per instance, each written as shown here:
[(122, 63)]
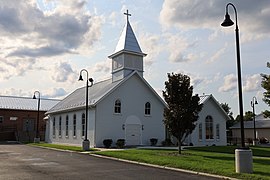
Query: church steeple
[(128, 55)]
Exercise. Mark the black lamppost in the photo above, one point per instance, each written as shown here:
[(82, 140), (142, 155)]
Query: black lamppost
[(86, 143), (37, 138), (253, 103), (243, 156), (228, 22)]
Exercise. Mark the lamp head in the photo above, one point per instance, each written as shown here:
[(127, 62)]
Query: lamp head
[(91, 80), (227, 21), (80, 78), (256, 102), (34, 97)]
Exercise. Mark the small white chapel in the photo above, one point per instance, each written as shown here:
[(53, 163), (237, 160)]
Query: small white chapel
[(122, 107), (127, 107)]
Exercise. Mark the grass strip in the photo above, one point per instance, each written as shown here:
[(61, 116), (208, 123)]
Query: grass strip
[(196, 160)]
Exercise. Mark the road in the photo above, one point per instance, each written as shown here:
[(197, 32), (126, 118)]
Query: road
[(23, 162)]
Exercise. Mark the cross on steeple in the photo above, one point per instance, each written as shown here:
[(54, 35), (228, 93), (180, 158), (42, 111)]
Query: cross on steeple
[(127, 14)]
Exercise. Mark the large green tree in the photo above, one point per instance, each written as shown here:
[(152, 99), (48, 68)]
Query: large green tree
[(266, 85), (182, 109)]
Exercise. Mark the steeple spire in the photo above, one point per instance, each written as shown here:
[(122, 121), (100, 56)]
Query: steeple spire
[(128, 41), (128, 56)]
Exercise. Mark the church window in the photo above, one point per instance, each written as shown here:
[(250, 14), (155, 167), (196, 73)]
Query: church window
[(1, 119), (83, 124), (54, 127), (200, 131), (74, 125), (117, 106), (217, 131), (67, 126), (209, 127), (147, 108), (60, 127)]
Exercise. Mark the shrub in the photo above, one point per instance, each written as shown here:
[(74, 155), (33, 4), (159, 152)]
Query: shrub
[(153, 141), (107, 143), (167, 142), (120, 143)]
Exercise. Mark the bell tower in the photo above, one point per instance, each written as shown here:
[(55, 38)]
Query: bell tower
[(128, 56)]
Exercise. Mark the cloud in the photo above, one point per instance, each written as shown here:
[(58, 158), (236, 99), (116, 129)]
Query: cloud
[(230, 83), (152, 46), (29, 31), (104, 66), (217, 54), (58, 93), (178, 47), (252, 83), (208, 14), (63, 72)]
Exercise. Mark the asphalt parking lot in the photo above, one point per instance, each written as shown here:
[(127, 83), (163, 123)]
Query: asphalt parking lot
[(20, 161)]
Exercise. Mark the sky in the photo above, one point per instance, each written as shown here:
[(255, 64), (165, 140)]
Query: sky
[(45, 44)]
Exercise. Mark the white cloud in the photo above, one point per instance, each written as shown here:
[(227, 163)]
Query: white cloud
[(253, 16), (252, 83), (178, 47), (63, 72), (230, 83), (56, 93), (217, 54)]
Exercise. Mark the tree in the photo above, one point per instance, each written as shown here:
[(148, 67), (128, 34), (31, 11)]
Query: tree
[(227, 109), (182, 108), (266, 85), (247, 117)]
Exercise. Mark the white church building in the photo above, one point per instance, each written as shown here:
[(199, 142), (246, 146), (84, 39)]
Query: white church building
[(123, 107), (126, 107)]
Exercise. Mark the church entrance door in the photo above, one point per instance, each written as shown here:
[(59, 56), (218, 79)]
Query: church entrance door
[(133, 131)]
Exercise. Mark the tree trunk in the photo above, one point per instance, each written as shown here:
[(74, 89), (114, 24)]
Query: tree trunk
[(179, 147)]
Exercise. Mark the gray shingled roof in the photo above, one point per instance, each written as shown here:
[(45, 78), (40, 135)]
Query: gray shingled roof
[(76, 99), (260, 122), (25, 103), (128, 42)]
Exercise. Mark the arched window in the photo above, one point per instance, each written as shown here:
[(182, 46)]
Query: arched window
[(200, 131), (209, 127), (147, 108), (67, 126), (117, 106), (74, 125), (60, 127), (217, 131), (83, 124)]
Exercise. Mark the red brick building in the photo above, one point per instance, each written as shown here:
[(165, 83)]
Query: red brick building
[(18, 118)]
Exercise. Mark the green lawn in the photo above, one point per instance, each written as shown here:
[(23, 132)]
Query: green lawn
[(214, 160), (63, 147)]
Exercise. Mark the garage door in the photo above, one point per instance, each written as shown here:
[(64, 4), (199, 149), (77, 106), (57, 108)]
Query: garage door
[(133, 134)]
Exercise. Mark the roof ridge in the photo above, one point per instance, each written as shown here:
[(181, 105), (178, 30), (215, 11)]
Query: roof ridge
[(23, 97)]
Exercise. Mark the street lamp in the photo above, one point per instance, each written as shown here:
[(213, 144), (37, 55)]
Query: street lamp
[(243, 156), (37, 138), (253, 103), (86, 143)]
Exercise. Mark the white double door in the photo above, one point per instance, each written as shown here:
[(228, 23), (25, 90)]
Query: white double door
[(133, 134)]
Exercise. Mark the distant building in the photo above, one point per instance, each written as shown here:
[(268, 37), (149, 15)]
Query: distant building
[(18, 117), (211, 125), (262, 125)]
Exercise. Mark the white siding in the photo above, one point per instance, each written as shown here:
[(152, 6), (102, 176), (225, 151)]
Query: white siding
[(210, 108), (133, 95), (70, 139)]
